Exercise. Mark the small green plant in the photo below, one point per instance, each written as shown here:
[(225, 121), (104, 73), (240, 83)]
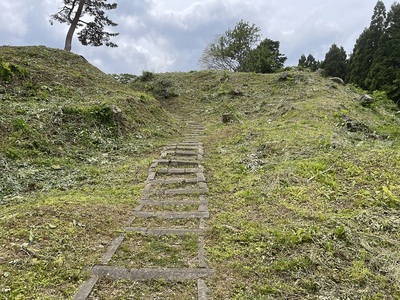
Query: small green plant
[(340, 232), (9, 71), (5, 71), (147, 76), (20, 125), (360, 272), (101, 114)]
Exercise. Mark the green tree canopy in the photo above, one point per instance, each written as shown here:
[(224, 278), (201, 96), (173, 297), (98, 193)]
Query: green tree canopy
[(266, 58), (302, 61), (230, 50), (90, 15), (366, 47), (241, 49), (385, 69), (309, 62), (335, 63)]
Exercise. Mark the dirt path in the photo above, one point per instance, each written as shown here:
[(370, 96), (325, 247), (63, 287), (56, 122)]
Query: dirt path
[(163, 239)]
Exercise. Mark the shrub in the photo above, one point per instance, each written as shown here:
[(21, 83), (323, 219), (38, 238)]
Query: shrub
[(9, 70), (147, 76)]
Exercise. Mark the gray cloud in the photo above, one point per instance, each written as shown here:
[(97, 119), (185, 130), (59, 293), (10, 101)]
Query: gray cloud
[(169, 35)]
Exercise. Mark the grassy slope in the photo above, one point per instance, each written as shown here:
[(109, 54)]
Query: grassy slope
[(302, 205), (304, 186), (62, 110), (67, 178)]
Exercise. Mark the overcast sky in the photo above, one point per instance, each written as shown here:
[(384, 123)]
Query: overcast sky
[(170, 35)]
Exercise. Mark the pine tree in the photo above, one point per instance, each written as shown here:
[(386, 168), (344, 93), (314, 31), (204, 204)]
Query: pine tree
[(309, 62), (360, 60), (93, 32), (335, 63), (385, 70), (302, 61), (366, 47), (312, 63)]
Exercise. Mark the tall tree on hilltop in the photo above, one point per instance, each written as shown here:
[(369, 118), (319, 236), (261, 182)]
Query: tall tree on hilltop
[(366, 46), (302, 61), (361, 59), (266, 58), (335, 63), (241, 50), (385, 70), (309, 62), (228, 51), (312, 63), (93, 32)]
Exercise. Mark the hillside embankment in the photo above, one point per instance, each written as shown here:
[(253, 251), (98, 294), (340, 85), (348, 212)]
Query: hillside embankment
[(303, 179)]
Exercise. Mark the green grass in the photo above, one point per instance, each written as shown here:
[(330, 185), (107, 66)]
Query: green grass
[(296, 201), (304, 183), (48, 245), (301, 205), (157, 251), (69, 178)]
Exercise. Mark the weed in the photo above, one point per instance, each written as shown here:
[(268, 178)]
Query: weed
[(9, 71)]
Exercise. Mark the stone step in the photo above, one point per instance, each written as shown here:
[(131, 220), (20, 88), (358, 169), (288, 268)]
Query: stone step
[(190, 143), (171, 215), (176, 180), (200, 169), (196, 159), (202, 290), (180, 152), (186, 191), (164, 231), (182, 148), (194, 134), (167, 203), (150, 191), (86, 288), (174, 162), (171, 274), (179, 163)]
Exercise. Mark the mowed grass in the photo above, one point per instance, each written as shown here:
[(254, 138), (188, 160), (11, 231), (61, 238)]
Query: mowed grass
[(304, 183), (304, 208), (70, 173), (304, 187), (47, 248), (325, 225), (50, 239)]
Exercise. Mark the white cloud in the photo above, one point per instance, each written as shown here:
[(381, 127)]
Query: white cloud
[(12, 18), (169, 35)]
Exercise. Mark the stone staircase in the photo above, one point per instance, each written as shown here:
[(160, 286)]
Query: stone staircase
[(164, 237)]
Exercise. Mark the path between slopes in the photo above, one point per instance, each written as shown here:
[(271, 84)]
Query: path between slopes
[(174, 205)]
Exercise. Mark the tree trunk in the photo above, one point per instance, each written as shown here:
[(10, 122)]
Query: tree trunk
[(72, 27)]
